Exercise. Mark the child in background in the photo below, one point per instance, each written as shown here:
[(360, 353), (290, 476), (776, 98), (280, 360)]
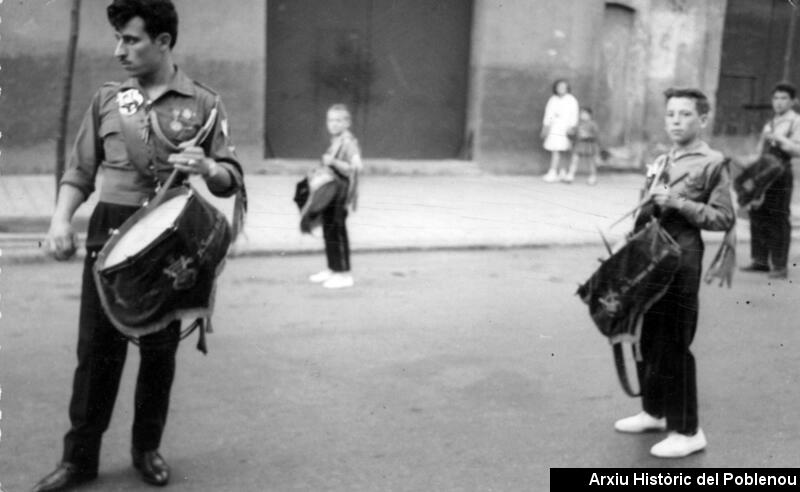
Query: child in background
[(586, 146), (560, 118), (344, 158)]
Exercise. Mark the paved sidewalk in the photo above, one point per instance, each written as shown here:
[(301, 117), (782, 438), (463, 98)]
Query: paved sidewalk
[(396, 212)]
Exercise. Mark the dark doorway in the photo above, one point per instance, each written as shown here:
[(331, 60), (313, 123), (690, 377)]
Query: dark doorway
[(401, 66), (614, 105), (753, 47)]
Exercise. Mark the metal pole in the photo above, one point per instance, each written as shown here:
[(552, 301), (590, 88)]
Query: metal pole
[(63, 123), (790, 40)]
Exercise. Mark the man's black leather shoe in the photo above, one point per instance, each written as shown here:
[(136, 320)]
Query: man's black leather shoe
[(65, 477), (152, 466), (755, 267)]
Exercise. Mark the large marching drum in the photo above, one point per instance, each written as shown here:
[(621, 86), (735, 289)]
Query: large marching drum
[(161, 265)]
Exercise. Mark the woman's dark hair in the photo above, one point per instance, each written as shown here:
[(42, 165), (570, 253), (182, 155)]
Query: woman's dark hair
[(786, 87), (555, 85), (159, 16)]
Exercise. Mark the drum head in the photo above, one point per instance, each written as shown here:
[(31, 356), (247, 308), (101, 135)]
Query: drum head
[(147, 230)]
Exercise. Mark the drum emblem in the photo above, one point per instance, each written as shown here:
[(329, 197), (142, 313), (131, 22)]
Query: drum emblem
[(183, 277), (129, 102), (610, 302)]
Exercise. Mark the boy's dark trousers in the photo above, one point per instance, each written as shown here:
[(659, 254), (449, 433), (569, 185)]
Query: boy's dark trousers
[(334, 230), (770, 224), (667, 372), (101, 357)]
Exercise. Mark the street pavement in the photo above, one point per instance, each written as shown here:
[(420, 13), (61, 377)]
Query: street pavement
[(439, 371), (447, 206)]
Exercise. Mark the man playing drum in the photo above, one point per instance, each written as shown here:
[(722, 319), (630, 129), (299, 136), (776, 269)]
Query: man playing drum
[(130, 132), (701, 200)]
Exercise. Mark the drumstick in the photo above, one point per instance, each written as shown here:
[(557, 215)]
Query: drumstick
[(644, 201)]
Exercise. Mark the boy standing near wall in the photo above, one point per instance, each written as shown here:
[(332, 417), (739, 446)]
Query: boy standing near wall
[(344, 158), (770, 222), (701, 200)]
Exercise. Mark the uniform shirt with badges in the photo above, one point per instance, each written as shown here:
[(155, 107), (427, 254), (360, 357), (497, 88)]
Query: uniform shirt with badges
[(344, 147), (181, 111), (787, 125), (703, 192)]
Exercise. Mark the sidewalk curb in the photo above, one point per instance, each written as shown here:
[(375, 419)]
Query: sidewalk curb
[(31, 258)]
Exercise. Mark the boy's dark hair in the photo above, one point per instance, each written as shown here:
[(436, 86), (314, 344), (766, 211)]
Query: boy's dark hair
[(700, 99), (558, 81), (341, 108), (785, 87), (588, 110), (158, 15)]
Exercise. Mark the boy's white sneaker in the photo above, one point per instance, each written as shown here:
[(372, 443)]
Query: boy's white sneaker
[(550, 177), (679, 445), (641, 422), (339, 281), (320, 277)]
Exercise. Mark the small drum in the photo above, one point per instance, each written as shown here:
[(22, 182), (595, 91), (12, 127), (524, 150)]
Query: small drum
[(162, 264), (756, 178), (323, 187)]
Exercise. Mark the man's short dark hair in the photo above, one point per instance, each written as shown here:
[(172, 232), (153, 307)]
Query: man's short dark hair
[(785, 87), (700, 99), (159, 16)]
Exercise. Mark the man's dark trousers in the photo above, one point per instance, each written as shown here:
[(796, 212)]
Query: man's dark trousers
[(101, 357), (770, 224)]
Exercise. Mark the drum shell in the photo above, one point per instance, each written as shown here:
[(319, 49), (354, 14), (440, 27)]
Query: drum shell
[(172, 277), (754, 180), (325, 185), (631, 280)]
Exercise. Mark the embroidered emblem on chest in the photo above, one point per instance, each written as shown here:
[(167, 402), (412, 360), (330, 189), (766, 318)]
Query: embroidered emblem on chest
[(129, 101), (175, 125), (610, 302)]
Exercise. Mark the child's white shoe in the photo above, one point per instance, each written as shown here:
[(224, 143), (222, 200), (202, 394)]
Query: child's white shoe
[(320, 277), (550, 177), (339, 281), (679, 445), (641, 422)]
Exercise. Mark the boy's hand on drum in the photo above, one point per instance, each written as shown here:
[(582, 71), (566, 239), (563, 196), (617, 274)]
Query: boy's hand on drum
[(193, 160), (327, 159), (61, 243), (661, 197)]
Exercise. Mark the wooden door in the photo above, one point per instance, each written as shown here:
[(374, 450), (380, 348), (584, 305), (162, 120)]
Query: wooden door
[(613, 105)]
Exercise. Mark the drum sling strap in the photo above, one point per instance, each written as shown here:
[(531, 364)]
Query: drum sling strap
[(136, 132)]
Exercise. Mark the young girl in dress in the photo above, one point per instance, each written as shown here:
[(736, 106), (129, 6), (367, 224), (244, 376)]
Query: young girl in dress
[(586, 146), (560, 119)]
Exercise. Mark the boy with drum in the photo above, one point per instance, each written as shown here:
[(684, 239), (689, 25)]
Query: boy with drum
[(698, 199), (770, 221), (343, 157), (129, 132)]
